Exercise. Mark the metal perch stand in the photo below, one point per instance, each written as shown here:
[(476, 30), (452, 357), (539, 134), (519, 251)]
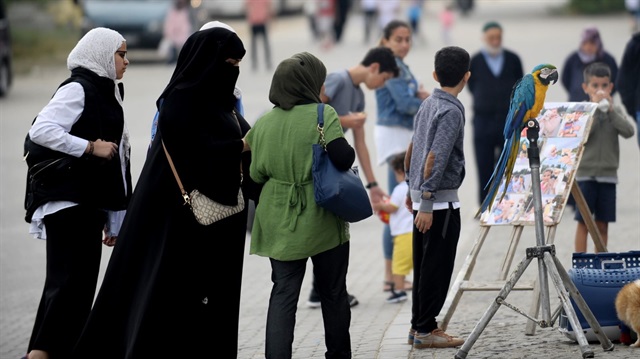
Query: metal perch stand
[(548, 265)]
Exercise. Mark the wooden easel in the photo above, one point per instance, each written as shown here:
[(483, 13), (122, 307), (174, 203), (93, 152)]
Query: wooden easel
[(463, 283)]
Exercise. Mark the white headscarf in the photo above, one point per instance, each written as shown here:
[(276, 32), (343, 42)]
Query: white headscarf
[(212, 24), (95, 51)]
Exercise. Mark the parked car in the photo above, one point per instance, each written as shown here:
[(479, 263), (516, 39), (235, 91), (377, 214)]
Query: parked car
[(139, 21), (235, 9), (6, 70)]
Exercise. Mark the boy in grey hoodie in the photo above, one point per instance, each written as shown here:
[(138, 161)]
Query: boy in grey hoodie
[(434, 168)]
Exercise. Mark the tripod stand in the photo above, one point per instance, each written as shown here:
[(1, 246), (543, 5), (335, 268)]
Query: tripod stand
[(548, 264)]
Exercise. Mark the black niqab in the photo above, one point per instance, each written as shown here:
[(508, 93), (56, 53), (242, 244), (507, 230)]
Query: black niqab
[(202, 65)]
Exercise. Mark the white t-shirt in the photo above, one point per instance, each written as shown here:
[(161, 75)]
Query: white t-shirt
[(390, 141), (400, 221)]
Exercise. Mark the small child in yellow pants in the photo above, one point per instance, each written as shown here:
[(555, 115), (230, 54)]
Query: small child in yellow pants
[(401, 225)]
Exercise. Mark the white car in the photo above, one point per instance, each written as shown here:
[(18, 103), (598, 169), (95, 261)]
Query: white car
[(235, 8), (139, 21)]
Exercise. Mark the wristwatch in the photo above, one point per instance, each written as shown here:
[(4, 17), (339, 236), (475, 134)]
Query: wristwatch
[(371, 184)]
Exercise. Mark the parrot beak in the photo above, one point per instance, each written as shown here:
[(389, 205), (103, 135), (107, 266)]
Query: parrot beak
[(553, 77), (547, 75)]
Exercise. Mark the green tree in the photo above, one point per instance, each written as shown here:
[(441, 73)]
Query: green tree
[(596, 6)]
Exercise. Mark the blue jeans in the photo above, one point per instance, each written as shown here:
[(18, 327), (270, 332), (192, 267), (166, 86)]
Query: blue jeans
[(330, 273), (387, 238)]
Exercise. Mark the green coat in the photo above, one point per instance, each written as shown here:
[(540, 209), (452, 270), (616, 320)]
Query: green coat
[(288, 223)]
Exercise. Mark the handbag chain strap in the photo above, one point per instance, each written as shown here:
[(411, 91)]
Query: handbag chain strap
[(185, 195)]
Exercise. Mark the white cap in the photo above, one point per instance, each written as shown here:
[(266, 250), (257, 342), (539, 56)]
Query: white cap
[(212, 24)]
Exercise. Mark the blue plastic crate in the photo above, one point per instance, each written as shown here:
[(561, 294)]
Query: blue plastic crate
[(609, 260), (598, 288)]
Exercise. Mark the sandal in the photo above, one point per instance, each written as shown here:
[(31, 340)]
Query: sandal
[(408, 285), (387, 287)]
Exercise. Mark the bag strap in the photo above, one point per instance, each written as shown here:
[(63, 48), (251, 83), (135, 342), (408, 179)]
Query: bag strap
[(321, 115), (320, 126), (185, 195)]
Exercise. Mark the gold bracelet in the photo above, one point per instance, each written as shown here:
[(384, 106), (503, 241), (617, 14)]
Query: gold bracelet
[(90, 148)]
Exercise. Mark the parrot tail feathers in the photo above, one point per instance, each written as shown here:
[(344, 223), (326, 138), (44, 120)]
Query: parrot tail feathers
[(505, 165)]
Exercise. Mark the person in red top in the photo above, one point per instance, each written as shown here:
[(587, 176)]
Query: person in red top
[(259, 14)]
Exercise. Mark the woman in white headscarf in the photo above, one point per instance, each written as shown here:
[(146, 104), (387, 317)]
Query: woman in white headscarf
[(82, 127)]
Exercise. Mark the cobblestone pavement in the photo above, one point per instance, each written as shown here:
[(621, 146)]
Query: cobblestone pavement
[(534, 29)]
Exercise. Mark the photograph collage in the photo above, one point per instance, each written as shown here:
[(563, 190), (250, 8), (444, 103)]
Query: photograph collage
[(564, 127)]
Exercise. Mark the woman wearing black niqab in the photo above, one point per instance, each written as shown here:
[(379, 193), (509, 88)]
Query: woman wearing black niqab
[(167, 291)]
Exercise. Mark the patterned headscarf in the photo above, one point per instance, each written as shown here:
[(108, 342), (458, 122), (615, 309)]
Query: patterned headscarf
[(297, 81)]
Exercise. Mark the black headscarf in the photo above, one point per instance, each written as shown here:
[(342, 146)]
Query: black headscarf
[(202, 65), (297, 81)]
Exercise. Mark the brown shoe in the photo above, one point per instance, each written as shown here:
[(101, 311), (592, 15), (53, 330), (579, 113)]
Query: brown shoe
[(436, 339), (412, 334)]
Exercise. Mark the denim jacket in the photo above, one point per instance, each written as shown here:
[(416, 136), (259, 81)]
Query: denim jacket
[(396, 100)]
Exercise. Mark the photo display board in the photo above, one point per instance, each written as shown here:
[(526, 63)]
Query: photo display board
[(564, 128)]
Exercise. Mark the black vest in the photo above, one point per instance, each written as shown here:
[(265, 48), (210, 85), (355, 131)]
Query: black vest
[(88, 180)]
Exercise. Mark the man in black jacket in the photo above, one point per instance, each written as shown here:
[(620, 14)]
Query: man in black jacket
[(628, 81), (494, 72)]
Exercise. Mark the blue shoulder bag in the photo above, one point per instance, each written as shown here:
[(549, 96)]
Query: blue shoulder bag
[(340, 192)]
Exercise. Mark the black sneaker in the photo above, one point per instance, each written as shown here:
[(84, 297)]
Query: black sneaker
[(397, 297), (314, 300)]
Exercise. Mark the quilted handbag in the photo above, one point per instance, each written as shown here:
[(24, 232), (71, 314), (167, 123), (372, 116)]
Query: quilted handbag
[(205, 209), (340, 192)]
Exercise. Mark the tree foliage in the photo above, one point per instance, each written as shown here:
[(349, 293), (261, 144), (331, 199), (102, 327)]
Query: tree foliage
[(596, 6)]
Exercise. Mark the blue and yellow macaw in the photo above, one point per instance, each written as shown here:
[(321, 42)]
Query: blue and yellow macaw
[(527, 99)]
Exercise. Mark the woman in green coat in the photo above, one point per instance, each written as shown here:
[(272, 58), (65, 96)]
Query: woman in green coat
[(289, 227)]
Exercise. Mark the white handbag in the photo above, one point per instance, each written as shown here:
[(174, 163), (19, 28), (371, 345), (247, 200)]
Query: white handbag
[(205, 209)]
